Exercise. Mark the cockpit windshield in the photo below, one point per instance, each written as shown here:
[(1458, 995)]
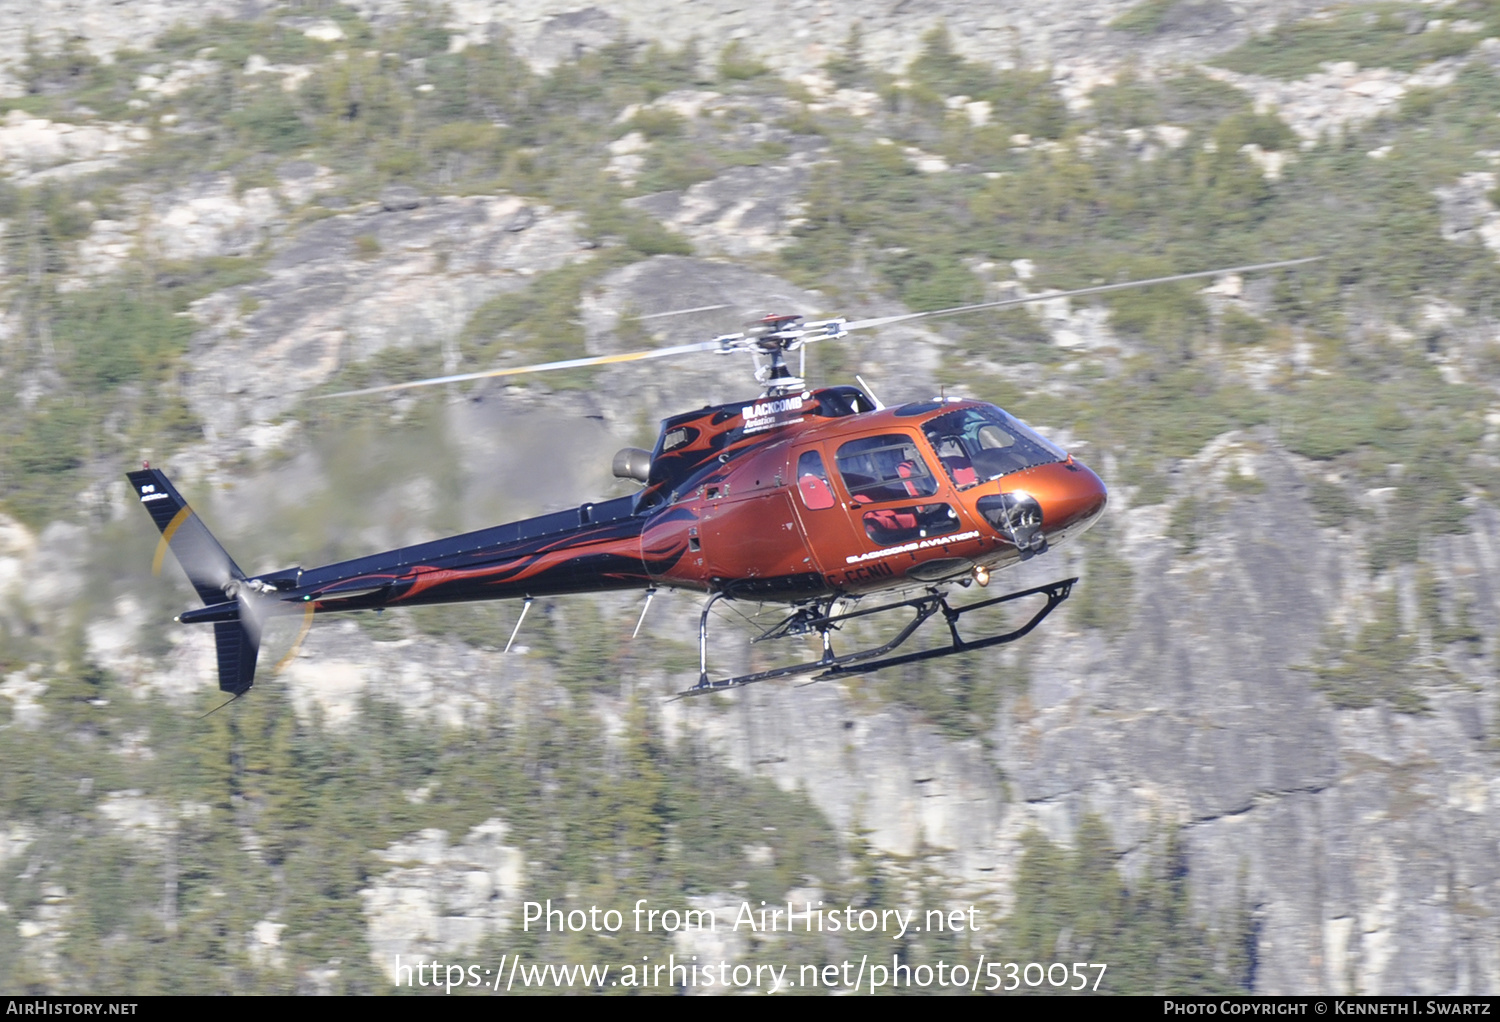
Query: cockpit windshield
[(976, 444)]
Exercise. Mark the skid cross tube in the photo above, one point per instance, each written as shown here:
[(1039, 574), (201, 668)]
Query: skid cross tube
[(862, 662)]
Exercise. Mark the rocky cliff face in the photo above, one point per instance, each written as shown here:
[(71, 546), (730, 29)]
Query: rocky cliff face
[(1361, 841), (792, 37)]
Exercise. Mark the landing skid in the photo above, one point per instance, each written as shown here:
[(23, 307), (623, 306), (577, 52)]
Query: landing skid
[(819, 618)]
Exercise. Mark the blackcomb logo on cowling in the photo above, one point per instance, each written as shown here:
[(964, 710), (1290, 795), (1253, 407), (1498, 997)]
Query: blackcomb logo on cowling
[(765, 414)]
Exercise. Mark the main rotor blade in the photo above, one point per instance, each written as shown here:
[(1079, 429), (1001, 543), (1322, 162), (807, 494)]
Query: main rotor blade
[(570, 363), (866, 324), (681, 312), (814, 331)]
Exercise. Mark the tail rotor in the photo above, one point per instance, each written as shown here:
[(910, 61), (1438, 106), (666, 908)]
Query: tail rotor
[(237, 605)]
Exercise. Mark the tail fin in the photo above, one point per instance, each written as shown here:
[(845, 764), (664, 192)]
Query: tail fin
[(209, 568), (237, 650), (207, 565)]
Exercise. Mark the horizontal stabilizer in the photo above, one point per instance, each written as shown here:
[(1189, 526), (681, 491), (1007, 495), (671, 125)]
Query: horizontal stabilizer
[(214, 613)]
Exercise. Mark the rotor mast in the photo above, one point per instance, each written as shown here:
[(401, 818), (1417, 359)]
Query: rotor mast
[(771, 339)]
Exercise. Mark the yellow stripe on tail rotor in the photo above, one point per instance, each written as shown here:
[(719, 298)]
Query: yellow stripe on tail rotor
[(307, 619), (166, 537)]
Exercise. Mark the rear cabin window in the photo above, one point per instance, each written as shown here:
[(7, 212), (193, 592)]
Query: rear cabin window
[(888, 467), (890, 525), (812, 482)]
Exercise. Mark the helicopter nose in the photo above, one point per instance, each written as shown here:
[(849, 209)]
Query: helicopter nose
[(1072, 498), (1063, 499)]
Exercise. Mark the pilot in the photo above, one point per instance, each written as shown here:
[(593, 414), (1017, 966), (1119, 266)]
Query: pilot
[(955, 459)]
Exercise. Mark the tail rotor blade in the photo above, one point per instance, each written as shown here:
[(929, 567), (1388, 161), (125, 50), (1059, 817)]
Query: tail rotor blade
[(252, 612)]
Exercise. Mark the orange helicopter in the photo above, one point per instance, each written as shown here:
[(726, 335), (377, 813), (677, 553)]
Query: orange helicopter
[(813, 498)]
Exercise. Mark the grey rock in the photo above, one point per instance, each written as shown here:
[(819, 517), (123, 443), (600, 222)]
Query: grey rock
[(329, 299), (571, 34), (396, 198), (520, 220), (744, 211), (442, 899), (1465, 206)]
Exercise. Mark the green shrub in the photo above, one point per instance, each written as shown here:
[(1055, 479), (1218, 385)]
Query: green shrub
[(960, 696), (677, 164), (114, 337), (1191, 520), (1129, 103), (847, 67), (1145, 928), (41, 461), (649, 238), (737, 63), (1332, 506), (1028, 102), (540, 320), (1169, 317), (944, 72), (642, 235), (659, 70), (1330, 417), (1378, 666), (1245, 485), (657, 122), (1168, 413), (1192, 97), (1379, 38), (1419, 103), (1145, 18), (1241, 329), (1265, 130), (934, 283), (463, 136), (1104, 595), (271, 123), (59, 70)]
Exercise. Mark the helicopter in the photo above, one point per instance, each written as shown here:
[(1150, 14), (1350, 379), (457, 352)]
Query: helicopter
[(815, 498)]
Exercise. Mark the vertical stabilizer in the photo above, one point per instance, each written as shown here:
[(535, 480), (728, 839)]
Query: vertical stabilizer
[(237, 650), (209, 568)]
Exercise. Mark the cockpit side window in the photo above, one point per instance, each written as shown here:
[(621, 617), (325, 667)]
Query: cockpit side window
[(955, 460), (887, 467), (978, 444)]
